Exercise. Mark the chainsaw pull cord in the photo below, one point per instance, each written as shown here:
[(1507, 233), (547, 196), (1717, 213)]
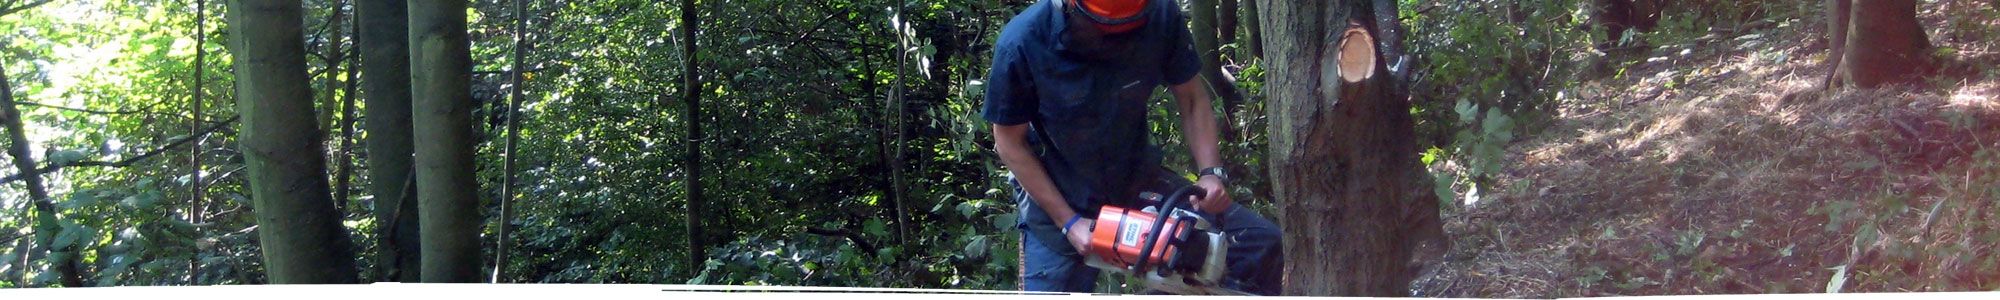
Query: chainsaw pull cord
[(1159, 223)]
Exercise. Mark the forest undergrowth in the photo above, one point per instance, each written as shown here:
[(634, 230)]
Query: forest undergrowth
[(1719, 164)]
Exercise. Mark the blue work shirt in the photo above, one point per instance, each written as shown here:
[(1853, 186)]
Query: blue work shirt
[(1087, 108)]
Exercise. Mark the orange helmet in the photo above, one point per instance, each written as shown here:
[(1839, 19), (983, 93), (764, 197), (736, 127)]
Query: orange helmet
[(1113, 16)]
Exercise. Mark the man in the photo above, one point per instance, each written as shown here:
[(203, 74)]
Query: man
[(1068, 97)]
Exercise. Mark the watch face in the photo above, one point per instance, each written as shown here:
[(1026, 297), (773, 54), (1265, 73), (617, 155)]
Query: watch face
[(1217, 172)]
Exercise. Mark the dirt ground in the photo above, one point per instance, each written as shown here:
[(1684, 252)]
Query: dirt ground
[(1721, 166)]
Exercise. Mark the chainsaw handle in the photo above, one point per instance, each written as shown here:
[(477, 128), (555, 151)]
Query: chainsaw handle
[(1159, 223)]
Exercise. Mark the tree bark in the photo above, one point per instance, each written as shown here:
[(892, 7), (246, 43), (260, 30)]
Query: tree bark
[(513, 133), (1389, 33), (691, 97), (1885, 45), (1341, 151), (1254, 27), (46, 226), (302, 239), (441, 77), (385, 60)]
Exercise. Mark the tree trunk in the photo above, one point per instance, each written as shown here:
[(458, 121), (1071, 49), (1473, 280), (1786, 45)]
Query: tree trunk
[(300, 233), (691, 96), (385, 54), (335, 104), (897, 189), (1837, 12), (1225, 21), (513, 133), (344, 178), (1885, 45), (1341, 151), (327, 99), (1389, 32), (1204, 14), (441, 78), (46, 226), (1254, 27), (195, 192)]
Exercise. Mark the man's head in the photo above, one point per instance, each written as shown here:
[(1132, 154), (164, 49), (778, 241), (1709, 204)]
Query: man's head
[(1110, 16), (1101, 29)]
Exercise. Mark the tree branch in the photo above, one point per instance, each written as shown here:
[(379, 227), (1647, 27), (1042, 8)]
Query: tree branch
[(22, 7), (504, 72), (129, 160), (816, 27), (101, 112)]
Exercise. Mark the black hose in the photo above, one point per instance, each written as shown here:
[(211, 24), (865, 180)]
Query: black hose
[(1160, 222)]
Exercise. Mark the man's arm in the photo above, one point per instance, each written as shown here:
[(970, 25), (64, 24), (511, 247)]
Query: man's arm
[(1198, 125), (1011, 142)]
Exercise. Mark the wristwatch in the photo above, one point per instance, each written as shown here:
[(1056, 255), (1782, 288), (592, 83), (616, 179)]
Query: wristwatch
[(1217, 171)]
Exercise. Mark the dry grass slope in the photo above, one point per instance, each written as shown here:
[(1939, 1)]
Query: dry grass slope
[(1719, 167)]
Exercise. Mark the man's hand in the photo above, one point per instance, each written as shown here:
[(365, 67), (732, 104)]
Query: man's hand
[(1079, 234), (1216, 201)]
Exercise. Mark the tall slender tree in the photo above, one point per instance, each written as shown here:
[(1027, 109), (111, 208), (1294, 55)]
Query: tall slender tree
[(195, 202), (1226, 18), (1341, 149), (336, 104), (691, 96), (513, 134), (898, 186), (441, 77), (1254, 27), (385, 66), (299, 230), (46, 224)]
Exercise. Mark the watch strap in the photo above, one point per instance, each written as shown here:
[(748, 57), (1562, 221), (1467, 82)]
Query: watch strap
[(1217, 171)]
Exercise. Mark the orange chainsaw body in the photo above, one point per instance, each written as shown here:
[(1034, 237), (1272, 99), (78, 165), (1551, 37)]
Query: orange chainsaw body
[(1119, 232)]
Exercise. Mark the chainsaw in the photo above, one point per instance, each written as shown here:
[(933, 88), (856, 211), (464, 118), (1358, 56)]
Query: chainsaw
[(1169, 249)]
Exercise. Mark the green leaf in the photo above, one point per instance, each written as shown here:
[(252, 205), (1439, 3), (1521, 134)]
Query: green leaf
[(65, 157), (1442, 186), (83, 198), (142, 200), (46, 277), (1865, 235), (976, 248), (966, 209), (885, 253), (1839, 279), (241, 199), (71, 233), (874, 227), (1689, 241), (1005, 222), (7, 260), (1466, 112), (1496, 122), (109, 276), (699, 279), (1432, 155)]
